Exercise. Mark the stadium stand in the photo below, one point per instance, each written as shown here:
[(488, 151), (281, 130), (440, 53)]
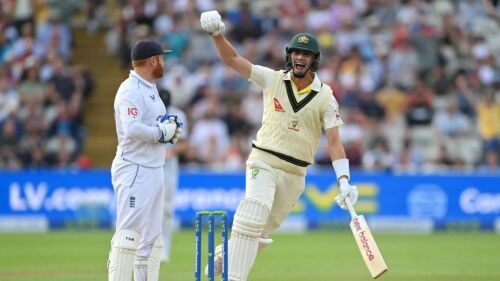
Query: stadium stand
[(417, 81)]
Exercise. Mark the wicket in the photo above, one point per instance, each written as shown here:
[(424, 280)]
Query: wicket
[(211, 244)]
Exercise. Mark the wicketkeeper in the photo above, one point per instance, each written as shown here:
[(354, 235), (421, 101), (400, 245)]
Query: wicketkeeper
[(143, 129)]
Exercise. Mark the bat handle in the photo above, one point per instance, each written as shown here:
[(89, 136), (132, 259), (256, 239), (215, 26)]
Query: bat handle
[(350, 207)]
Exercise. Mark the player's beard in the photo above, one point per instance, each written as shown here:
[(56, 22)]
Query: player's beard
[(300, 73), (158, 71)]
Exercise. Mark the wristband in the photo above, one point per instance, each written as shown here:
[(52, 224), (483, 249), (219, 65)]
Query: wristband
[(341, 167)]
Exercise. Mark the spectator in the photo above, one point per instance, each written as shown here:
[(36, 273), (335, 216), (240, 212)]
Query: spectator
[(31, 89), (491, 162), (393, 101), (210, 139), (419, 104), (402, 62), (392, 64), (10, 132), (53, 35), (9, 99), (246, 25), (488, 116), (451, 122), (409, 159), (464, 93), (378, 156)]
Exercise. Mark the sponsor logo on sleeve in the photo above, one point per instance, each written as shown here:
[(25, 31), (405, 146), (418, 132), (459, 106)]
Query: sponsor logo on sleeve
[(132, 111)]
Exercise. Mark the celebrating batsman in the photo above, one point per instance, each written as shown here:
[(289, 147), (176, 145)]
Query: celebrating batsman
[(296, 107)]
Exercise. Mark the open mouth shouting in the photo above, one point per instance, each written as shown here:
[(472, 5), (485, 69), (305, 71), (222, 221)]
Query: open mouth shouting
[(300, 66)]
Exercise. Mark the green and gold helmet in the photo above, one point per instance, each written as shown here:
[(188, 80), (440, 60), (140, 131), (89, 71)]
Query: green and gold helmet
[(305, 42)]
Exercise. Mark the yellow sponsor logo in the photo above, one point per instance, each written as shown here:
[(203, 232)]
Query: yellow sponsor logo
[(298, 208), (325, 200)]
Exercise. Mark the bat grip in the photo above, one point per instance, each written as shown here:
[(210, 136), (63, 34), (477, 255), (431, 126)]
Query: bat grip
[(350, 207)]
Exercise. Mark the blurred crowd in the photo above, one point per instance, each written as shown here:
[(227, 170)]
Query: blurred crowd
[(417, 81), (42, 93)]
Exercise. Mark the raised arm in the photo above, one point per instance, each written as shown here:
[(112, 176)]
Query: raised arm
[(212, 23)]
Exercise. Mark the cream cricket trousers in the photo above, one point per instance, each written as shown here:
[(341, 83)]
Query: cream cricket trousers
[(277, 189), (139, 197)]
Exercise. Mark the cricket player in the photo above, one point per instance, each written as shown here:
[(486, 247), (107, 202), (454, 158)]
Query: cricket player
[(296, 108), (143, 129), (171, 171)]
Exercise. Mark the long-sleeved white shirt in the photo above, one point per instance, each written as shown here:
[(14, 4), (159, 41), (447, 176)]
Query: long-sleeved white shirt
[(138, 109)]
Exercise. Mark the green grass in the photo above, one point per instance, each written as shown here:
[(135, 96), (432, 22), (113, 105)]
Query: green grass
[(81, 256)]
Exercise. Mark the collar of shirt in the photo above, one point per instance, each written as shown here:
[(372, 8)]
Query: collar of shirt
[(138, 77), (315, 85)]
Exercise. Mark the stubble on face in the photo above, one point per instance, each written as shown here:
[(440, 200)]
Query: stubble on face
[(158, 70), (300, 72)]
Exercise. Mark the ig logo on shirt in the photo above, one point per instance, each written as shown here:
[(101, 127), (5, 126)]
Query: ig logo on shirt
[(132, 111)]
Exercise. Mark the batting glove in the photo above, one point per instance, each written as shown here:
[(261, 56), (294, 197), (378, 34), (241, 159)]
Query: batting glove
[(211, 22), (341, 167), (346, 191)]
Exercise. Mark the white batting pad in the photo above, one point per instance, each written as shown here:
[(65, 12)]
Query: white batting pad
[(140, 270), (149, 269), (121, 258), (249, 220)]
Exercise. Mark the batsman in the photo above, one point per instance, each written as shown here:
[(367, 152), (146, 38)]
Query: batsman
[(297, 106)]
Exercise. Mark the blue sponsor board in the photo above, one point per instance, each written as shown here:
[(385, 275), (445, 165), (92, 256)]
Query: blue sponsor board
[(446, 199), (64, 198), (86, 197)]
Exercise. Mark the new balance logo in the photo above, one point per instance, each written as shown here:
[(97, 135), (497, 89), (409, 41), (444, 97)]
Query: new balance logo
[(277, 105), (132, 202)]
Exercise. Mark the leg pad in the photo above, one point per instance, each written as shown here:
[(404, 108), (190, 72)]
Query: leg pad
[(121, 258)]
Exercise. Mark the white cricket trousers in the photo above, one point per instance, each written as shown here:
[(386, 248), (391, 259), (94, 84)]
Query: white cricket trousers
[(139, 201), (277, 189)]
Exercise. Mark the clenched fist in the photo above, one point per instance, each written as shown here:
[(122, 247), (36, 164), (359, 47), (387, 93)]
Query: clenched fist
[(211, 22)]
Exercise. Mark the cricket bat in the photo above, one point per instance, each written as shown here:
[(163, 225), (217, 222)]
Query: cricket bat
[(366, 244)]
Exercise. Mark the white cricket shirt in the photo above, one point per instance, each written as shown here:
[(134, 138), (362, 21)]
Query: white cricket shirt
[(138, 109)]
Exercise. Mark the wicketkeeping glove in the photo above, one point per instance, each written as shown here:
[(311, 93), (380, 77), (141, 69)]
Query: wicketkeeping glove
[(170, 129), (211, 22)]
